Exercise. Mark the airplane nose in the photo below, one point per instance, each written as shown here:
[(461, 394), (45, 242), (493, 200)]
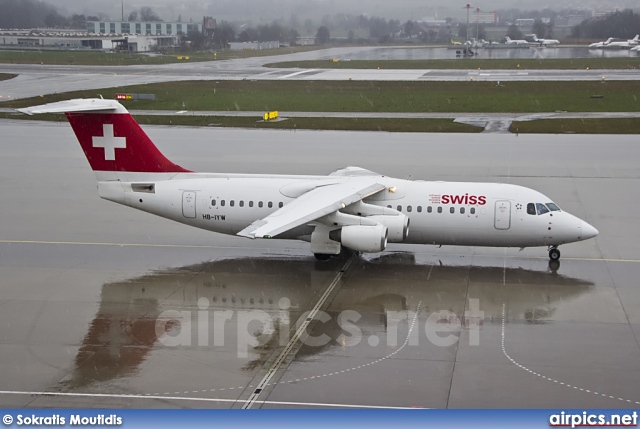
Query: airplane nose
[(588, 231)]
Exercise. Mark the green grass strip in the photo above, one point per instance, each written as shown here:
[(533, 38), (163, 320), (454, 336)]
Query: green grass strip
[(357, 96)]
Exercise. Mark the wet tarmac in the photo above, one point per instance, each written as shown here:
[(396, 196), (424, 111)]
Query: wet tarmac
[(503, 52), (103, 306), (37, 79)]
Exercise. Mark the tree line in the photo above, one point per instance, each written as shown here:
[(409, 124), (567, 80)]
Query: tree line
[(37, 13), (337, 28), (623, 25)]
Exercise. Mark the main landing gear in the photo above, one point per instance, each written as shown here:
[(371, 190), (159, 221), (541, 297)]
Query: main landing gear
[(322, 256), (554, 253)]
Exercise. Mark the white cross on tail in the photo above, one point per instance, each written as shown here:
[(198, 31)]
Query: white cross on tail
[(109, 142)]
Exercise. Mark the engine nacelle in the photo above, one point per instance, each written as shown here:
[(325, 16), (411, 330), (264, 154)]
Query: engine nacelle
[(397, 226), (362, 238)]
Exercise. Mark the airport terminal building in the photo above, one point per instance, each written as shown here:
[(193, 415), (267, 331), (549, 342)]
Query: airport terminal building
[(144, 27), (136, 36)]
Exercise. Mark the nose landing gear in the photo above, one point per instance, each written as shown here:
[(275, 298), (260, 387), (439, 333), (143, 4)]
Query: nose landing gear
[(554, 253)]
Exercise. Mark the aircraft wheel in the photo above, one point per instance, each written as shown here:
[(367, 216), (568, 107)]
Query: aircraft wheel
[(322, 256), (554, 254)]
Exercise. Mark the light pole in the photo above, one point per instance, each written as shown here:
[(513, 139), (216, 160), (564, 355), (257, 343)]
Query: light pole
[(468, 7), (477, 20)]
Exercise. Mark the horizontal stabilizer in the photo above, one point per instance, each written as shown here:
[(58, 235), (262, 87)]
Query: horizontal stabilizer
[(76, 105)]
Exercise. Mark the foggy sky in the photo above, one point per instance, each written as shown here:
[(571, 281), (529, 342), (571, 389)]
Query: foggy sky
[(260, 11)]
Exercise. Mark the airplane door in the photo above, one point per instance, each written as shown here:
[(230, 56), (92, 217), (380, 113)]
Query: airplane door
[(503, 215), (189, 204)]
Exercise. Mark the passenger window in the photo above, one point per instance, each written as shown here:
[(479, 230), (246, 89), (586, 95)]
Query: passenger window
[(280, 204), (553, 207), (542, 209), (399, 208), (473, 210), (452, 210), (250, 203), (461, 210), (260, 204), (222, 203), (409, 208), (419, 209), (270, 204), (241, 203), (439, 209), (213, 203), (232, 203), (429, 210), (531, 209)]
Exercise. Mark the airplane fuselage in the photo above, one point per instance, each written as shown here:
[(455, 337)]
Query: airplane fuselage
[(440, 213), (352, 207)]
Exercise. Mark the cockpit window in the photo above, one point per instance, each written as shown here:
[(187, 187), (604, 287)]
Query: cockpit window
[(531, 209), (542, 209), (553, 207)]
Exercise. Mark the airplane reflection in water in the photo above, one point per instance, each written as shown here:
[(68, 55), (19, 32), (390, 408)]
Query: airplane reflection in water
[(125, 329)]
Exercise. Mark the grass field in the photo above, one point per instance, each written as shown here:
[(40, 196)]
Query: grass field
[(352, 96), (101, 58), (471, 63), (578, 126), (5, 76)]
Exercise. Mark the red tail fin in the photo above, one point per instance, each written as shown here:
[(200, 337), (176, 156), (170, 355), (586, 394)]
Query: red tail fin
[(115, 142), (111, 139)]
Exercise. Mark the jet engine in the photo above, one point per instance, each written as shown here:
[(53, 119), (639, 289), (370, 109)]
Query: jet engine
[(363, 238), (397, 226)]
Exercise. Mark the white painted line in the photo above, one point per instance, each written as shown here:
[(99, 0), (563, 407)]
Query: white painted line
[(504, 351), (296, 73), (301, 331), (184, 398)]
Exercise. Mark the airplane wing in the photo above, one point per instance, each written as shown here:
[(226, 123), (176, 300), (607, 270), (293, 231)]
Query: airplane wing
[(314, 204)]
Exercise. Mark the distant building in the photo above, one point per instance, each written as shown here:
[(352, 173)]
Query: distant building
[(569, 20), (604, 13), (60, 40), (432, 21), (524, 22), (489, 18), (253, 46), (145, 28), (306, 41)]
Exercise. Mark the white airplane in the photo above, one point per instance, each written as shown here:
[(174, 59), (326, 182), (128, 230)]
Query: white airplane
[(600, 45), (623, 44), (352, 207), (509, 41), (544, 42)]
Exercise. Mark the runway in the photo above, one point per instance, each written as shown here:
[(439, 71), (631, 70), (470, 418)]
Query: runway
[(104, 306), (39, 79)]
